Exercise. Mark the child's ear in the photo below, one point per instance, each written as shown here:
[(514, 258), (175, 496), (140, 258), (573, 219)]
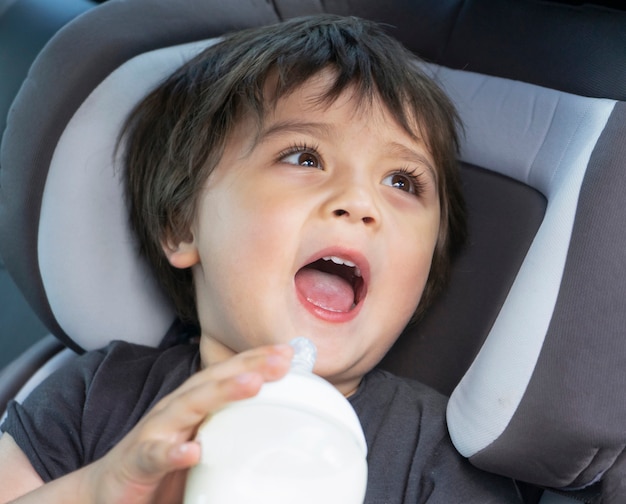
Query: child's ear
[(182, 254)]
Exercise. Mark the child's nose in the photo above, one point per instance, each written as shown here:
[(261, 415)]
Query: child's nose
[(356, 204)]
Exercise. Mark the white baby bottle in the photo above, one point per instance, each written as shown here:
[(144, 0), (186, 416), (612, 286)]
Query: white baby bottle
[(297, 442)]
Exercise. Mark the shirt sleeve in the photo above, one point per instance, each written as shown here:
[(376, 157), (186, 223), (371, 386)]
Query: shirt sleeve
[(47, 425), (82, 410)]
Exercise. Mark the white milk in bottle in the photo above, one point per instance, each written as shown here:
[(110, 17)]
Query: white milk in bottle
[(297, 442)]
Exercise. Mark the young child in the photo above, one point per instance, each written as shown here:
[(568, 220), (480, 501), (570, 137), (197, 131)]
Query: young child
[(291, 180)]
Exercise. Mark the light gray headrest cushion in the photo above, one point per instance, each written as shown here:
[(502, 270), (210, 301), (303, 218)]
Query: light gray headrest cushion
[(84, 215)]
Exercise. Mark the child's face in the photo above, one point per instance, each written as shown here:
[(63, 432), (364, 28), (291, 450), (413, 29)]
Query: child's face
[(315, 182)]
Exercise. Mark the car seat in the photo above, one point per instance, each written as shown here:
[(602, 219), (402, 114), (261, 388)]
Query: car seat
[(527, 340), (25, 27)]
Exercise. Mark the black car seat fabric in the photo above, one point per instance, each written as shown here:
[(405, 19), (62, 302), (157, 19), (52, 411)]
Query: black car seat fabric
[(529, 335)]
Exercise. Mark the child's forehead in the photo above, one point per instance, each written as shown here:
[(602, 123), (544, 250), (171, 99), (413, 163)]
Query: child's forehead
[(310, 102), (317, 95)]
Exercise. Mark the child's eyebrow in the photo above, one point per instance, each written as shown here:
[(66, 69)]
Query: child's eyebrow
[(311, 128), (412, 156)]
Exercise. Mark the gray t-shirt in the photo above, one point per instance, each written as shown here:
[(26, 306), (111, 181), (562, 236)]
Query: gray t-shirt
[(84, 409)]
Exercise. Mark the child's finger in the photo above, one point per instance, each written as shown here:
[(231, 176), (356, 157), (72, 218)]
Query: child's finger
[(271, 362), (186, 410), (159, 457)]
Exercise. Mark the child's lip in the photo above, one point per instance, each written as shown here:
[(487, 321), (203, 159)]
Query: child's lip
[(363, 266)]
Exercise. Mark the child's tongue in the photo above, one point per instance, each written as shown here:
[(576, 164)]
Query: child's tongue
[(325, 290)]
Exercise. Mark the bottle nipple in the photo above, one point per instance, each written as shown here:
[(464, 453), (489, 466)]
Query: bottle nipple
[(304, 354)]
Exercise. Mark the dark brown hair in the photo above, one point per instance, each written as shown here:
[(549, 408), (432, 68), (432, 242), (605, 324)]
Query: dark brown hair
[(175, 137)]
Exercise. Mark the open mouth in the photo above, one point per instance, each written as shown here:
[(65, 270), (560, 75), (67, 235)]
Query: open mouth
[(331, 283)]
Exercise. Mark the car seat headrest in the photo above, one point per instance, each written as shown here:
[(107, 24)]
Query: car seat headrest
[(541, 355), (71, 69), (84, 171)]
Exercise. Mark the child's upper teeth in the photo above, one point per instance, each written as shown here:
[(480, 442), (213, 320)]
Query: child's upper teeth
[(339, 260)]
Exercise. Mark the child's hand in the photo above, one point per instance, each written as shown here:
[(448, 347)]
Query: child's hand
[(149, 464)]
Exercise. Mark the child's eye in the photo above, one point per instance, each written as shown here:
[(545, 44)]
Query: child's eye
[(405, 180), (301, 155)]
